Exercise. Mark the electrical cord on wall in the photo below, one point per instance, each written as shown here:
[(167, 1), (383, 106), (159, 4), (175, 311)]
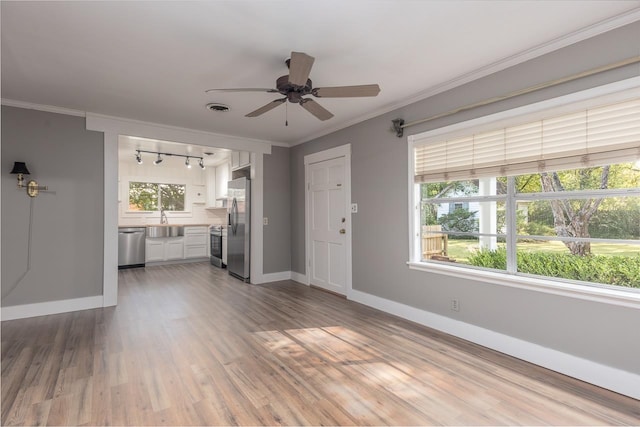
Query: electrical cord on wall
[(15, 285)]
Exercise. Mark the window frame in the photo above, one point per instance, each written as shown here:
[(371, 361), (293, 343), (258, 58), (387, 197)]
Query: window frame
[(159, 194), (614, 92)]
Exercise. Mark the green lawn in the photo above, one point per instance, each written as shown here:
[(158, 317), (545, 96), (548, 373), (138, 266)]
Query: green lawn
[(461, 249)]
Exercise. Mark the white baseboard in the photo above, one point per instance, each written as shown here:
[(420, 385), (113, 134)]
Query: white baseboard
[(50, 307), (614, 379), (300, 278), (276, 277)]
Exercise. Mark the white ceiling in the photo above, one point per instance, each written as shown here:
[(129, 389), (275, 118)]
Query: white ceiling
[(152, 61)]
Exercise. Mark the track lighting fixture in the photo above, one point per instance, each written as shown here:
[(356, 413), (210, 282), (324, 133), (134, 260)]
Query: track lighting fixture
[(187, 161)]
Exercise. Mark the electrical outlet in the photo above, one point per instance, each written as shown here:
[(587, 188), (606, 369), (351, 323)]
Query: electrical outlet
[(265, 221), (455, 304), (354, 208)]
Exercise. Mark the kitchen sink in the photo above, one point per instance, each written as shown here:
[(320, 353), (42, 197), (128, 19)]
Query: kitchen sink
[(165, 230)]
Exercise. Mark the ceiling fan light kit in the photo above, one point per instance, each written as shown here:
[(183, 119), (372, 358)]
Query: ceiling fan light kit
[(297, 84)]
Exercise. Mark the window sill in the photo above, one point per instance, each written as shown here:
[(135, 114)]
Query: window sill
[(567, 289)]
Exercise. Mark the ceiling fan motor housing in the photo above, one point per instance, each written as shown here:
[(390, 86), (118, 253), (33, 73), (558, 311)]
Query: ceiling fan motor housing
[(294, 93)]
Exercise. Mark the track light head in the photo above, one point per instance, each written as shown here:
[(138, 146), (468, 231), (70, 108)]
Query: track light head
[(158, 160), (201, 164), (186, 163), (139, 158)]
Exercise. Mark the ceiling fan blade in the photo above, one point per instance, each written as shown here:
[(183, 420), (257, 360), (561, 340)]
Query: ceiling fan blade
[(346, 91), (299, 68), (316, 109), (270, 106), (246, 89)]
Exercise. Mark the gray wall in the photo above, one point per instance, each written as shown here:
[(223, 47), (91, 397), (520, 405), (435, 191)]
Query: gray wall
[(277, 203), (67, 224), (594, 331)]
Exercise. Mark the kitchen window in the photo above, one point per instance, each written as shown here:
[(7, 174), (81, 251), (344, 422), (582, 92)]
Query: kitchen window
[(150, 196), (553, 194)]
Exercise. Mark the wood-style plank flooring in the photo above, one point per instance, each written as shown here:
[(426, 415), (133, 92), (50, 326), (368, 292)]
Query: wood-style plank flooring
[(188, 345)]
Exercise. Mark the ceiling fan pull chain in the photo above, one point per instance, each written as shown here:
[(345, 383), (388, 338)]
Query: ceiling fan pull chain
[(286, 114)]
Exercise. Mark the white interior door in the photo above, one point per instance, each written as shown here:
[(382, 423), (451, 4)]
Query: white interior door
[(328, 224)]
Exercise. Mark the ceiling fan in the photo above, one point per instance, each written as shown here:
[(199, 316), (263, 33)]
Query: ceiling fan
[(297, 84)]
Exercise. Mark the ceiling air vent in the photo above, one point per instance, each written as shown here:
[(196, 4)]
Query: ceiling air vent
[(218, 107)]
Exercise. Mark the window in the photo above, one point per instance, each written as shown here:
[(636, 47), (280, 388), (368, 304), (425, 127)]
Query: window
[(555, 198), (149, 196)]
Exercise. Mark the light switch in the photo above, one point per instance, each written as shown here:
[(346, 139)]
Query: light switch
[(265, 221), (354, 208)]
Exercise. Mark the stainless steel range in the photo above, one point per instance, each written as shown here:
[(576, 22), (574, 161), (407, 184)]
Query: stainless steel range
[(216, 245)]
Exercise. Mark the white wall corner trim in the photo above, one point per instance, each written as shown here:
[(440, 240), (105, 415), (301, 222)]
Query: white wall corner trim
[(50, 307), (614, 379), (110, 230), (300, 278), (276, 277), (256, 254)]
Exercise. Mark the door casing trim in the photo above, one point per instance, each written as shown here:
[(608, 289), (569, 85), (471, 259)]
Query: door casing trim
[(321, 156)]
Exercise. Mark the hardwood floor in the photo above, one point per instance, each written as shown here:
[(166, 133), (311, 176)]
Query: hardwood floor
[(188, 345)]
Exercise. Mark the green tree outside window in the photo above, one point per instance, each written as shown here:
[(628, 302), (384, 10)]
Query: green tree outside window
[(149, 196)]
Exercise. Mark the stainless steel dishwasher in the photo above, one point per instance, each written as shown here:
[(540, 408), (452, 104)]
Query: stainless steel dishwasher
[(131, 244)]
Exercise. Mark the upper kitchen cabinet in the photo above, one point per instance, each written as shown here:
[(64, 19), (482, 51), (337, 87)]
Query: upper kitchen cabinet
[(217, 179), (222, 178), (210, 174), (240, 159)]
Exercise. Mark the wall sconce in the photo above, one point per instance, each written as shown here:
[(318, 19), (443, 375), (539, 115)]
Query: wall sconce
[(32, 186)]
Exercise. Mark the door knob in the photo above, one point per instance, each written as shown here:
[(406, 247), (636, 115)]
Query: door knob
[(342, 231)]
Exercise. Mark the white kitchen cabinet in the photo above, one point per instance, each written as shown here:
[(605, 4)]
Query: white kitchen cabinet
[(211, 201), (245, 159), (222, 178), (174, 248), (196, 241), (154, 250), (240, 159), (164, 249), (217, 179)]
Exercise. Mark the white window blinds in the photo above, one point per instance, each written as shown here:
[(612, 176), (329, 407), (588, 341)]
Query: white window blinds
[(597, 136)]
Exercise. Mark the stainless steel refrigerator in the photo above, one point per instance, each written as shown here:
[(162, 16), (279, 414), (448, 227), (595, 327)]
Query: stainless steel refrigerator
[(239, 230)]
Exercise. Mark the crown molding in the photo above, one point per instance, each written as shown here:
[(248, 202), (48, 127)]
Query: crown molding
[(41, 107), (618, 21)]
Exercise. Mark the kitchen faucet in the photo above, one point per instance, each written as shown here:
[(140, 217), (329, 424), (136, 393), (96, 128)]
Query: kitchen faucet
[(163, 217)]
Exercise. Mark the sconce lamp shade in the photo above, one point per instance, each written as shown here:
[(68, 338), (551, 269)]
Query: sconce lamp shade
[(20, 167)]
